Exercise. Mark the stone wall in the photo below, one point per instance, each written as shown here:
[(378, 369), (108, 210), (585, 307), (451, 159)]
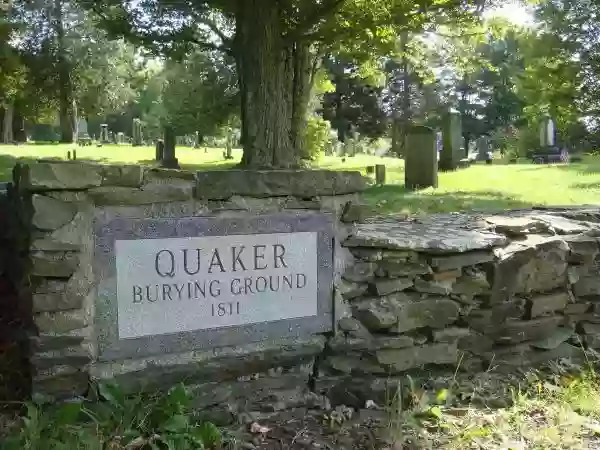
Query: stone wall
[(63, 199), (446, 292), (466, 292)]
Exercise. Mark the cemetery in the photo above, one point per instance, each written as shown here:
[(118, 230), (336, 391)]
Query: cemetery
[(271, 225)]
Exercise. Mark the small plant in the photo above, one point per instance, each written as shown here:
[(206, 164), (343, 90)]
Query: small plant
[(160, 422)]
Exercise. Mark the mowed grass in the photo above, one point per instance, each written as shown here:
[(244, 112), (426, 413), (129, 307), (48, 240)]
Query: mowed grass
[(480, 187)]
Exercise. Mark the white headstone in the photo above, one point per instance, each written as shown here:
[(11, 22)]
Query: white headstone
[(82, 127), (172, 285)]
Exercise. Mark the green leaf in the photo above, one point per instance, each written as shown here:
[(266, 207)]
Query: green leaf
[(177, 424), (435, 411), (68, 414), (209, 434), (112, 394), (442, 396)]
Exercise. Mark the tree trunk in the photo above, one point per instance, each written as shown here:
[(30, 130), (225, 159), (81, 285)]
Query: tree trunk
[(265, 67), (7, 127), (302, 86), (169, 161), (18, 125), (64, 77)]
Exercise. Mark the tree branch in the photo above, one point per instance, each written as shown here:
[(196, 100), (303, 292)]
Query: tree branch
[(325, 9)]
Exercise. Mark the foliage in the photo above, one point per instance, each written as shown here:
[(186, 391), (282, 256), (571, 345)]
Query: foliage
[(316, 136), (159, 422)]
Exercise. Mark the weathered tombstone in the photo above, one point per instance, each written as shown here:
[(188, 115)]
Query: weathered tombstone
[(452, 138), (228, 144), (421, 162), (121, 137), (169, 160), (104, 138), (483, 147), (74, 154), (137, 132), (379, 174), (69, 154), (197, 139), (547, 132)]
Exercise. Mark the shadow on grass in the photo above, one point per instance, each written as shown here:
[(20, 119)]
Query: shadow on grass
[(397, 199), (592, 185), (7, 162)]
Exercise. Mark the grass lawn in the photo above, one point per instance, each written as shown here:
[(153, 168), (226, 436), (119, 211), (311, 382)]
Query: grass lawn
[(480, 187)]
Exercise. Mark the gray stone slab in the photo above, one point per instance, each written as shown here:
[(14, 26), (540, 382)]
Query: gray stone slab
[(110, 227)]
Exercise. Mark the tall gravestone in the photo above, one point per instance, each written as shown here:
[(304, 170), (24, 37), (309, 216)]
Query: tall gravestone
[(451, 142), (104, 137), (547, 132), (421, 160), (137, 132)]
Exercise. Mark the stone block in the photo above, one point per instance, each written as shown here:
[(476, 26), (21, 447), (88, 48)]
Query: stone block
[(442, 263), (584, 248), (370, 344), (53, 245), (433, 313), (433, 287), (54, 264), (541, 305), (576, 308), (513, 332), (395, 269), (472, 282), (376, 314), (357, 213), (62, 387), (449, 335), (367, 254), (353, 327), (48, 176), (149, 194), (41, 344), (430, 236), (537, 264), (587, 285), (223, 184), (350, 290), (55, 302), (446, 275), (360, 272), (385, 287), (124, 176), (553, 340), (51, 214), (61, 322), (400, 360)]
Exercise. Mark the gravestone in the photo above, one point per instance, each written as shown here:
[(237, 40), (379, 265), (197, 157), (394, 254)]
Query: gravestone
[(451, 142), (379, 174), (483, 147), (170, 284), (421, 163), (547, 132), (120, 137), (197, 139), (104, 137), (137, 132)]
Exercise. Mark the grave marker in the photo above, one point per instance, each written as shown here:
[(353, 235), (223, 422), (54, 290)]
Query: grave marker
[(452, 138), (421, 163)]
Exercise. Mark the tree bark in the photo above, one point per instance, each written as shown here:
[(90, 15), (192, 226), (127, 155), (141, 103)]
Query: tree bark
[(64, 77), (304, 68), (265, 65), (7, 127), (169, 160), (19, 134)]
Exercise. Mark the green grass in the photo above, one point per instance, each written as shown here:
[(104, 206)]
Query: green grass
[(480, 187)]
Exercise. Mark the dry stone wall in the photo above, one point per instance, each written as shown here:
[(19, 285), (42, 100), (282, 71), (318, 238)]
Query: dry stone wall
[(466, 292), (460, 291)]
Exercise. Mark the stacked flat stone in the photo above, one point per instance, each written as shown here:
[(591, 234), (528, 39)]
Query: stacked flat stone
[(469, 292), (62, 198)]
